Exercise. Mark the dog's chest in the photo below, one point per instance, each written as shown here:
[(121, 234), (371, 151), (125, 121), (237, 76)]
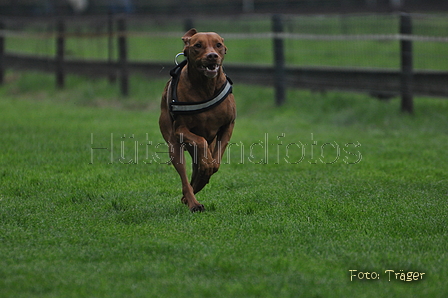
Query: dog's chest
[(209, 123)]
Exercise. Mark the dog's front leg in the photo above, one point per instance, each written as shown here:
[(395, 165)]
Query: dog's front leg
[(178, 160), (197, 147), (210, 158)]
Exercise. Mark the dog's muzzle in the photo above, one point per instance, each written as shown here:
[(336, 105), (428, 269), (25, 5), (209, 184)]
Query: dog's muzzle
[(210, 70)]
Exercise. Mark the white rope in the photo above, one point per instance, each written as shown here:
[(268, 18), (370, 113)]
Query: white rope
[(326, 37), (266, 35)]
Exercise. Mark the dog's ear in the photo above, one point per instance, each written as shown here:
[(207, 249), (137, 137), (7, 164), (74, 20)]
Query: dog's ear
[(225, 48), (186, 38)]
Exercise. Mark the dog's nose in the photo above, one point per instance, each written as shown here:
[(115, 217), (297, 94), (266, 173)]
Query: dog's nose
[(212, 56)]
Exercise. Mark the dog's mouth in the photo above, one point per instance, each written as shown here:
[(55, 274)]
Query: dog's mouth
[(210, 70)]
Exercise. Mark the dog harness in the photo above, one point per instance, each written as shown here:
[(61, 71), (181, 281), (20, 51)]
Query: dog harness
[(183, 108)]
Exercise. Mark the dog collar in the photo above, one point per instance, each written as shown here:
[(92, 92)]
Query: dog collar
[(182, 108)]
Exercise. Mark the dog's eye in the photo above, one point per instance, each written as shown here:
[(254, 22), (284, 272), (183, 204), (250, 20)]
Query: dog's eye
[(218, 45), (198, 46)]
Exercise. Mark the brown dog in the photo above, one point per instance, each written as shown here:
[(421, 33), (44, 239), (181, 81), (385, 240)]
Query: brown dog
[(198, 112)]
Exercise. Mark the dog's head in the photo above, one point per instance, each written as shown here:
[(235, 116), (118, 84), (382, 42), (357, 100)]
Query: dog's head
[(205, 51)]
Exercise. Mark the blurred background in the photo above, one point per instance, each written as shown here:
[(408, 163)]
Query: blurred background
[(381, 47), (48, 7)]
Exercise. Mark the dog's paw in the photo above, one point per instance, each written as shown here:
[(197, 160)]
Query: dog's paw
[(197, 208)]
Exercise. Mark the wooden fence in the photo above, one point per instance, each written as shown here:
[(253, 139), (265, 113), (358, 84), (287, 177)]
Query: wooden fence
[(379, 82)]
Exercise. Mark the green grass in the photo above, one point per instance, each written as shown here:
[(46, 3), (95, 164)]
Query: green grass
[(274, 226)]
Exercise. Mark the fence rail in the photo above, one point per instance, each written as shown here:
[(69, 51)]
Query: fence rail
[(382, 83), (379, 82)]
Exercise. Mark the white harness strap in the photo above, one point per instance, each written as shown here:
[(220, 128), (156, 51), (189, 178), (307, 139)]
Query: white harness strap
[(188, 108)]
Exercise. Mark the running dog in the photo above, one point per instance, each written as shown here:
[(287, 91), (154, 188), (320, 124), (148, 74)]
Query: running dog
[(198, 112)]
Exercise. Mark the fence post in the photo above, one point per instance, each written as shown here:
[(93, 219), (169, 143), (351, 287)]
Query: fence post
[(60, 44), (279, 60), (110, 47), (2, 52), (407, 104), (188, 24), (122, 53)]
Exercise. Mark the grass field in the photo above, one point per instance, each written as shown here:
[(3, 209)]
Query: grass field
[(325, 184)]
